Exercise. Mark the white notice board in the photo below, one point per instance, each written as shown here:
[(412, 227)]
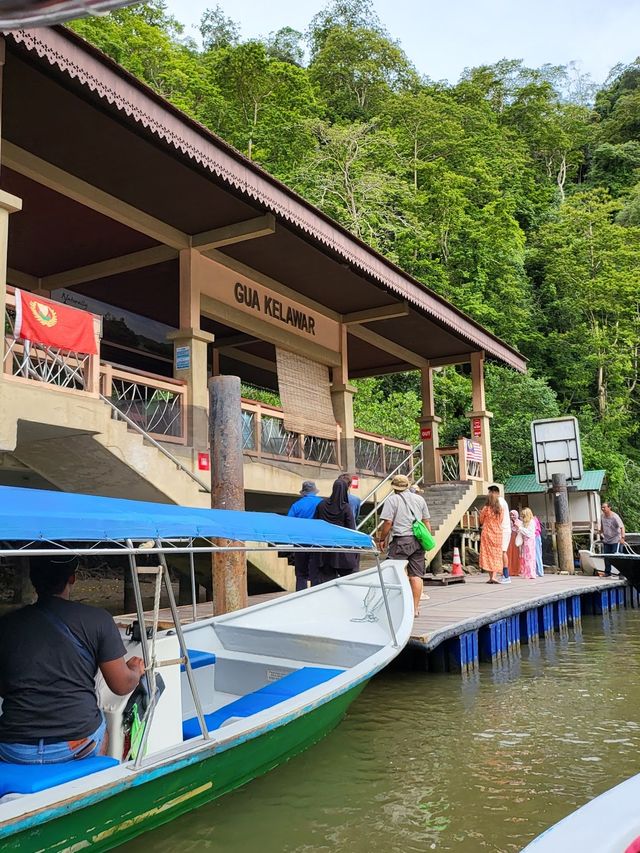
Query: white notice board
[(556, 449)]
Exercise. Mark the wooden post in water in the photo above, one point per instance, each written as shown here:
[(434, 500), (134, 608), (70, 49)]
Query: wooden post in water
[(227, 488), (563, 523)]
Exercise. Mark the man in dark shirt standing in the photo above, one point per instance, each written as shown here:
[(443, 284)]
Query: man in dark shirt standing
[(50, 653)]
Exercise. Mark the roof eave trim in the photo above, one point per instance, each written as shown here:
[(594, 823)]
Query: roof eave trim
[(102, 76)]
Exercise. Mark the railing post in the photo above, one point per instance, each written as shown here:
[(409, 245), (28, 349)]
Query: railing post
[(462, 459), (92, 369), (257, 425)]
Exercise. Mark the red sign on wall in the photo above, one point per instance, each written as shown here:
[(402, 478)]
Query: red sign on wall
[(355, 482), (476, 426), (426, 433), (204, 462)]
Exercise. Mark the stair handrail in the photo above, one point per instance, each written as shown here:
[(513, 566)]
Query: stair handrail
[(137, 428), (408, 458)]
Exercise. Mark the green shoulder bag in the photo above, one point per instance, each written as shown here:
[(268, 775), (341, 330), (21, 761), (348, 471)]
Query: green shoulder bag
[(420, 529)]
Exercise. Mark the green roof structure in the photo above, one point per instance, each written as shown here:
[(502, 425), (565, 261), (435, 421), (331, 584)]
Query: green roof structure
[(526, 484)]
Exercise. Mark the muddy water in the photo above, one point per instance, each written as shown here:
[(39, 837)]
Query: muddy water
[(440, 763)]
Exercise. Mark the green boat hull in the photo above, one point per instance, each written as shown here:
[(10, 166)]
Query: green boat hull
[(106, 823)]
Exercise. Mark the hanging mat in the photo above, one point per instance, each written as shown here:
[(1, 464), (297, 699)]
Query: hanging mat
[(305, 392)]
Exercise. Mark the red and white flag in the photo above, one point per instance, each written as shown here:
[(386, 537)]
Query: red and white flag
[(52, 324)]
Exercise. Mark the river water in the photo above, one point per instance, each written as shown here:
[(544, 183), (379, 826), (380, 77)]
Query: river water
[(445, 763)]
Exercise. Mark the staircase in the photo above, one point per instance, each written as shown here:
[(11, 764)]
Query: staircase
[(447, 502), (99, 455)]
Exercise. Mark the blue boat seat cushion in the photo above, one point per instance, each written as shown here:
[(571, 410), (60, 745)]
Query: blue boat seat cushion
[(199, 658), (31, 778), (266, 697)]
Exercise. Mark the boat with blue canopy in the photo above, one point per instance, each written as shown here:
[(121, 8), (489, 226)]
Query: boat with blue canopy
[(228, 697)]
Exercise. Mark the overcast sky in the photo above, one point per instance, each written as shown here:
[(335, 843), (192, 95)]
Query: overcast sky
[(442, 38)]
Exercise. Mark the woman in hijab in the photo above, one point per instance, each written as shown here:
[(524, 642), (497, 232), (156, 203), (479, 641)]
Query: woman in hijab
[(328, 565), (514, 550)]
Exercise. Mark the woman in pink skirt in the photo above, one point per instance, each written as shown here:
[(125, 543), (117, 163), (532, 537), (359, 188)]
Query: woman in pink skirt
[(527, 537)]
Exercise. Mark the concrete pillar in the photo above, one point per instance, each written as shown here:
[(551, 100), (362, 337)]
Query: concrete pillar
[(429, 425), (342, 398), (479, 416), (227, 488), (8, 204), (190, 351)]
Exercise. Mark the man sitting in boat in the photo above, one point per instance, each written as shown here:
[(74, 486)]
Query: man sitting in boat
[(50, 653)]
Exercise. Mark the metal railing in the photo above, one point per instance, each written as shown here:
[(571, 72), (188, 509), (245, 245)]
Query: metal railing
[(377, 454), (264, 436), (412, 466), (156, 404), (137, 428)]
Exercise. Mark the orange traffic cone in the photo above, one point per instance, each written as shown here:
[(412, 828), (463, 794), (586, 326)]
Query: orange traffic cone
[(456, 568)]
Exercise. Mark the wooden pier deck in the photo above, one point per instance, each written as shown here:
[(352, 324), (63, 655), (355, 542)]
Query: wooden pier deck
[(453, 610)]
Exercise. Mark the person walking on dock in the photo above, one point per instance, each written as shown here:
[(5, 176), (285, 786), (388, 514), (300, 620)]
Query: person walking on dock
[(304, 507), (399, 511), (354, 501), (327, 565), (539, 563), (526, 538), (491, 537), (506, 532), (612, 530)]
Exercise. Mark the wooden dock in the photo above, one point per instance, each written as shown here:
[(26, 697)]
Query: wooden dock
[(453, 610), (465, 624)]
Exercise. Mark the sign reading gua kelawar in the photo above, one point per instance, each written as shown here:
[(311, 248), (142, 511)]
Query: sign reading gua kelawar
[(250, 297)]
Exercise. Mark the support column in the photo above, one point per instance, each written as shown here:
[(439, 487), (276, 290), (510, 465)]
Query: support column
[(227, 488), (190, 351), (342, 398), (429, 425), (479, 416), (563, 523)]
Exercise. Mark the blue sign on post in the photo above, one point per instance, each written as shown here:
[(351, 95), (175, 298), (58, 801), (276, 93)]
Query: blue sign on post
[(183, 358)]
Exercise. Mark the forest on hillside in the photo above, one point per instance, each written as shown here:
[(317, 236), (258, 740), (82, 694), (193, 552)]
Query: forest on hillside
[(515, 193)]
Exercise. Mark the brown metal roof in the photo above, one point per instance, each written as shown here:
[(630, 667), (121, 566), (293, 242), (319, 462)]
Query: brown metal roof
[(85, 70)]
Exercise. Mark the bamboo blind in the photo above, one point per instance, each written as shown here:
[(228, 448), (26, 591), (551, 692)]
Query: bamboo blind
[(305, 392)]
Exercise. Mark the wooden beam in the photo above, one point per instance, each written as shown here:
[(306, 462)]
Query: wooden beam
[(387, 345), (384, 312), (446, 360), (23, 280), (113, 266), (235, 341), (248, 358), (69, 185), (227, 235), (380, 371)]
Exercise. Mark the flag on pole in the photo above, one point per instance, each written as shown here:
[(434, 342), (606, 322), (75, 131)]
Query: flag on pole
[(53, 324)]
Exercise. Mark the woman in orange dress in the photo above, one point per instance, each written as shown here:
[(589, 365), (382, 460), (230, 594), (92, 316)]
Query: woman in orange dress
[(491, 537)]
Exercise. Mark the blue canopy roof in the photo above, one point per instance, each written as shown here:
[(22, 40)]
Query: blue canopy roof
[(34, 514)]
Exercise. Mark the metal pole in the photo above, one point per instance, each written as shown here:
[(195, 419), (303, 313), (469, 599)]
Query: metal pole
[(183, 646), (227, 487), (139, 608), (386, 603), (563, 523), (194, 593)]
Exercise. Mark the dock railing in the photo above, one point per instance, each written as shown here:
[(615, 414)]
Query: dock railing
[(460, 463), (264, 436)]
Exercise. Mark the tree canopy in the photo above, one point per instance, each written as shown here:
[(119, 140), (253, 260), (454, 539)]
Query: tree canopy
[(514, 192)]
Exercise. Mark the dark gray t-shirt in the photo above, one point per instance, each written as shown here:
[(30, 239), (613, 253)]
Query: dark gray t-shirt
[(46, 684)]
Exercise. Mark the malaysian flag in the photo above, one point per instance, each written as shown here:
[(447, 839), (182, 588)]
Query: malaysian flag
[(474, 451)]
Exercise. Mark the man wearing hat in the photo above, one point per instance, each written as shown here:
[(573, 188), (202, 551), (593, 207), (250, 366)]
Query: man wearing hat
[(304, 507), (399, 511)]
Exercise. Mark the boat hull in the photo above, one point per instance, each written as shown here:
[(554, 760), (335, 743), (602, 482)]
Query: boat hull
[(102, 824), (629, 567)]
